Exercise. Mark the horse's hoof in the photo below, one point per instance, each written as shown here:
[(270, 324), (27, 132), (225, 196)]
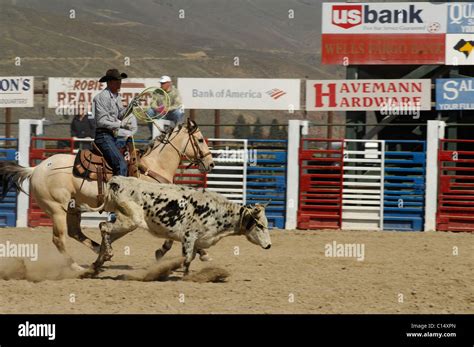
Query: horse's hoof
[(89, 273), (77, 267), (205, 257), (159, 254)]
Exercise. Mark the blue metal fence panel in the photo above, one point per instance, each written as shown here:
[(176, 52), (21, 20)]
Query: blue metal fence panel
[(266, 178), (404, 188), (8, 152)]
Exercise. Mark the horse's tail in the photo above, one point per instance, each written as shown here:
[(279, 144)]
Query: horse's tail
[(13, 175)]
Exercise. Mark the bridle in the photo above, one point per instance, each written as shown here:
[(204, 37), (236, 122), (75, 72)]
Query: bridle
[(199, 155)]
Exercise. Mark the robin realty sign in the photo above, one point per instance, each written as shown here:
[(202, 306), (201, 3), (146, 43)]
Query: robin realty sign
[(376, 95), (69, 94), (240, 93)]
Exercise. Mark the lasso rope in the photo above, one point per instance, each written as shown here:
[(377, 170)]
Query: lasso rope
[(140, 113)]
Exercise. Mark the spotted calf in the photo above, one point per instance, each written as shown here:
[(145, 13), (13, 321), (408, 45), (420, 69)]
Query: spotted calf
[(195, 217)]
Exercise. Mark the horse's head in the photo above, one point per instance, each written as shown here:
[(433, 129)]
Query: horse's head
[(196, 149)]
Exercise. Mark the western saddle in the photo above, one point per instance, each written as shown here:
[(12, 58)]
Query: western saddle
[(91, 165)]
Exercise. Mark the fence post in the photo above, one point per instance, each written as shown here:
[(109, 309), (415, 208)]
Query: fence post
[(435, 132), (292, 178), (24, 141)]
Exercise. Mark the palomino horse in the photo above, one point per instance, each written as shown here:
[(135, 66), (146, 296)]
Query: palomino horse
[(54, 186)]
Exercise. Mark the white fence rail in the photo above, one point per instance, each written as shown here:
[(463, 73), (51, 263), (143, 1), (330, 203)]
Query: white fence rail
[(229, 176), (363, 185)]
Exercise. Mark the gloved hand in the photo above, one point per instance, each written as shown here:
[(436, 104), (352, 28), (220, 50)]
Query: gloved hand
[(126, 125)]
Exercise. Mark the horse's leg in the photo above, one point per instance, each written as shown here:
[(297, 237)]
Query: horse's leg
[(59, 237), (159, 253), (122, 226), (74, 230)]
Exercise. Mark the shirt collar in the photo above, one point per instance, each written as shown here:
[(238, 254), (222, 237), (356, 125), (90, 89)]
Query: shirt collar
[(112, 94)]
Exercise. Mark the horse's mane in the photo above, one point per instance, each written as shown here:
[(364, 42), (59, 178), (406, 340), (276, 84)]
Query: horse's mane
[(165, 135)]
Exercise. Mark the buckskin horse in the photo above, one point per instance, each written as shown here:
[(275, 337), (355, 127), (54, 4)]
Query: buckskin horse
[(54, 186)]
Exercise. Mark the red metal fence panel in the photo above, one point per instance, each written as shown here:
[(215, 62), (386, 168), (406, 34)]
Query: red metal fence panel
[(456, 186), (321, 182)]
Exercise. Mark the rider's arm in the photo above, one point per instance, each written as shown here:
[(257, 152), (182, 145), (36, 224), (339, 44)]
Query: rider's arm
[(175, 99), (121, 108)]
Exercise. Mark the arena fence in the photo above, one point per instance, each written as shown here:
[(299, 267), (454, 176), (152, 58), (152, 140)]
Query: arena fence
[(363, 184), (266, 178), (229, 175), (8, 206), (313, 183), (404, 188), (321, 177), (456, 186)]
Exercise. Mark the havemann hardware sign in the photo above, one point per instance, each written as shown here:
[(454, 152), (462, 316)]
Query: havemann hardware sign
[(240, 93), (375, 95), (455, 94)]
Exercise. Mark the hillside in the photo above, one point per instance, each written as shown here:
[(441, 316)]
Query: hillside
[(156, 41)]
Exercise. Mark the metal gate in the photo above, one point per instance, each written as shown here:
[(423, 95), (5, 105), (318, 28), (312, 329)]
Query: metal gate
[(229, 175), (363, 192), (8, 152), (321, 178), (404, 188), (266, 178), (456, 186)]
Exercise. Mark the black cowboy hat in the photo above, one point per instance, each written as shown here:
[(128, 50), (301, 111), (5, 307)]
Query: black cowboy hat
[(113, 74)]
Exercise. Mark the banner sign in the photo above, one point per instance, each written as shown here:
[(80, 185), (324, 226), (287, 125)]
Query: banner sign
[(375, 95), (410, 33), (459, 49), (461, 18), (78, 93), (384, 18), (16, 91), (240, 93), (383, 49), (455, 94)]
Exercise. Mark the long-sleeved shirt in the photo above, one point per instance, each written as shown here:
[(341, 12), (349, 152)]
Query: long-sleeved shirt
[(108, 110), (160, 99)]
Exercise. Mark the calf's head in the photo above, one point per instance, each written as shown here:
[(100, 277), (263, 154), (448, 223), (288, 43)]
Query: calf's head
[(255, 225)]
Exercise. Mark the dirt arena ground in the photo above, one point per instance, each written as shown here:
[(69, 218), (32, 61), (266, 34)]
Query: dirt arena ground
[(294, 276)]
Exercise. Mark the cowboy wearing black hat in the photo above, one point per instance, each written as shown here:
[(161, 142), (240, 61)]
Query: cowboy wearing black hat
[(108, 111)]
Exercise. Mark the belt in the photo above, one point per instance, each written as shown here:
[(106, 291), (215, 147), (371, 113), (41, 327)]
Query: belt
[(104, 131)]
